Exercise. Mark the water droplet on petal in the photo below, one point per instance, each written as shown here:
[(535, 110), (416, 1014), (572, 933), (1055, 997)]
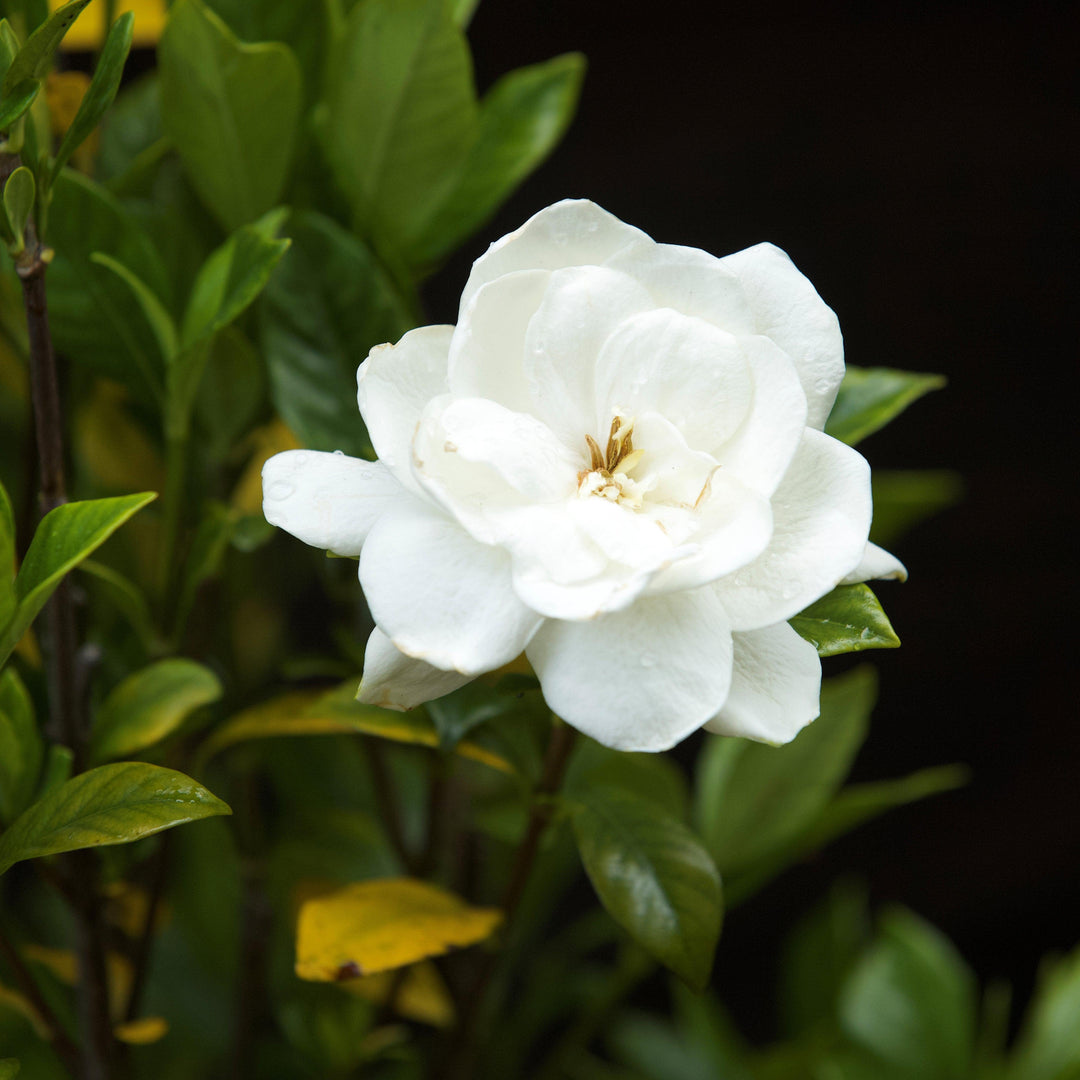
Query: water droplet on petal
[(339, 453), (280, 490)]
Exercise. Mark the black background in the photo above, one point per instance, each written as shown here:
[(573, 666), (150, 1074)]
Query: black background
[(918, 165)]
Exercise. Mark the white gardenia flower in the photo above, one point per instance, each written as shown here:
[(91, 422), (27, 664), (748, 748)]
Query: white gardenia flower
[(614, 462)]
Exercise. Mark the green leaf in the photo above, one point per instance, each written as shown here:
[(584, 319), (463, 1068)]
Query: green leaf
[(9, 46), (19, 202), (65, 537), (17, 102), (215, 529), (653, 876), (126, 597), (9, 1068), (232, 394), (463, 11), (849, 619), (35, 58), (59, 764), (149, 706), (910, 1002), (112, 804), (21, 748), (522, 119), (401, 113), (101, 91), (752, 799), (325, 308), (655, 777), (231, 110), (1049, 1044), (904, 499), (153, 310), (456, 714), (7, 559), (870, 397)]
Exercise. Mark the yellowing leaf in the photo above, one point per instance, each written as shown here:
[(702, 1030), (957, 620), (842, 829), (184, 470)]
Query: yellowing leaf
[(273, 438), (374, 926), (126, 908), (13, 1000), (65, 966), (422, 996), (64, 91), (142, 1032), (88, 33), (116, 451), (28, 649)]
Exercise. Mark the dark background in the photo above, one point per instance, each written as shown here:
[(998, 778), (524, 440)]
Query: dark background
[(918, 166)]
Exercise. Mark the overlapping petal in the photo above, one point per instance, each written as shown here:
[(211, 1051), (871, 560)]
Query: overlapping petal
[(876, 562), (393, 680)]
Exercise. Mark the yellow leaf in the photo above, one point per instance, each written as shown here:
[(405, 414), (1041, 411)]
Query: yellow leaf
[(64, 92), (28, 649), (374, 926), (126, 908), (116, 451), (142, 1032), (88, 33), (13, 1000), (422, 996), (266, 441), (65, 966)]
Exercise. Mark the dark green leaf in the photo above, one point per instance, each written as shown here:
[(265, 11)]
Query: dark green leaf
[(657, 1050), (149, 706), (65, 537), (456, 714), (649, 776), (19, 202), (910, 1002), (59, 763), (126, 597), (7, 559), (401, 113), (903, 499), (101, 91), (16, 103), (653, 876), (1049, 1044), (323, 311), (870, 397), (522, 119), (9, 1068), (752, 799), (231, 394), (849, 619), (211, 541), (112, 804), (21, 748), (131, 132), (35, 58), (153, 310), (231, 110)]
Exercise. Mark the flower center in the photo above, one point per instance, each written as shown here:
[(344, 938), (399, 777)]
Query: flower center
[(608, 472)]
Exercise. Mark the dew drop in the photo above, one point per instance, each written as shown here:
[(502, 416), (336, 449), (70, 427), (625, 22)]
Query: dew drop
[(339, 453), (280, 490)]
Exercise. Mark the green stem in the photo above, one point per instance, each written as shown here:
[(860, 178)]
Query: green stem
[(173, 507)]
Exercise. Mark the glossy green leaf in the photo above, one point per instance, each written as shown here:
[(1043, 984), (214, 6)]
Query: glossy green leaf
[(153, 310), (522, 119), (7, 559), (870, 397), (903, 499), (401, 113), (910, 1002), (849, 619), (17, 102), (752, 798), (101, 91), (35, 57), (231, 110), (149, 706), (325, 308), (19, 202), (65, 537), (112, 804), (21, 748), (654, 877), (655, 777), (1048, 1047)]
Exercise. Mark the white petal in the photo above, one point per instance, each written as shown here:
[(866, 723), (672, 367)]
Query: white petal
[(775, 688), (328, 500), (394, 384), (681, 367), (821, 517), (543, 588), (439, 595), (640, 679), (393, 680), (788, 309), (876, 563), (487, 352), (573, 232), (581, 308)]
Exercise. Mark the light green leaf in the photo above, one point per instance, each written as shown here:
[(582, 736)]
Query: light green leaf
[(158, 319), (463, 11), (9, 46), (849, 619), (522, 119), (653, 876), (752, 799), (149, 705), (19, 202), (35, 58), (101, 91), (65, 537), (21, 748), (1049, 1044), (910, 1002), (17, 102), (870, 397), (231, 110), (7, 559), (9, 1068), (401, 113), (112, 804), (904, 499), (325, 308)]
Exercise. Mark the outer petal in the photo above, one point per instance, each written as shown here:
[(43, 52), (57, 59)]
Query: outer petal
[(821, 516), (775, 688), (393, 680), (328, 500), (640, 679), (573, 232), (394, 384), (439, 595), (876, 563), (787, 308)]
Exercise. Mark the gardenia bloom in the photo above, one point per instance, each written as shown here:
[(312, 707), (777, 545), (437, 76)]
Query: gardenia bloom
[(615, 463)]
